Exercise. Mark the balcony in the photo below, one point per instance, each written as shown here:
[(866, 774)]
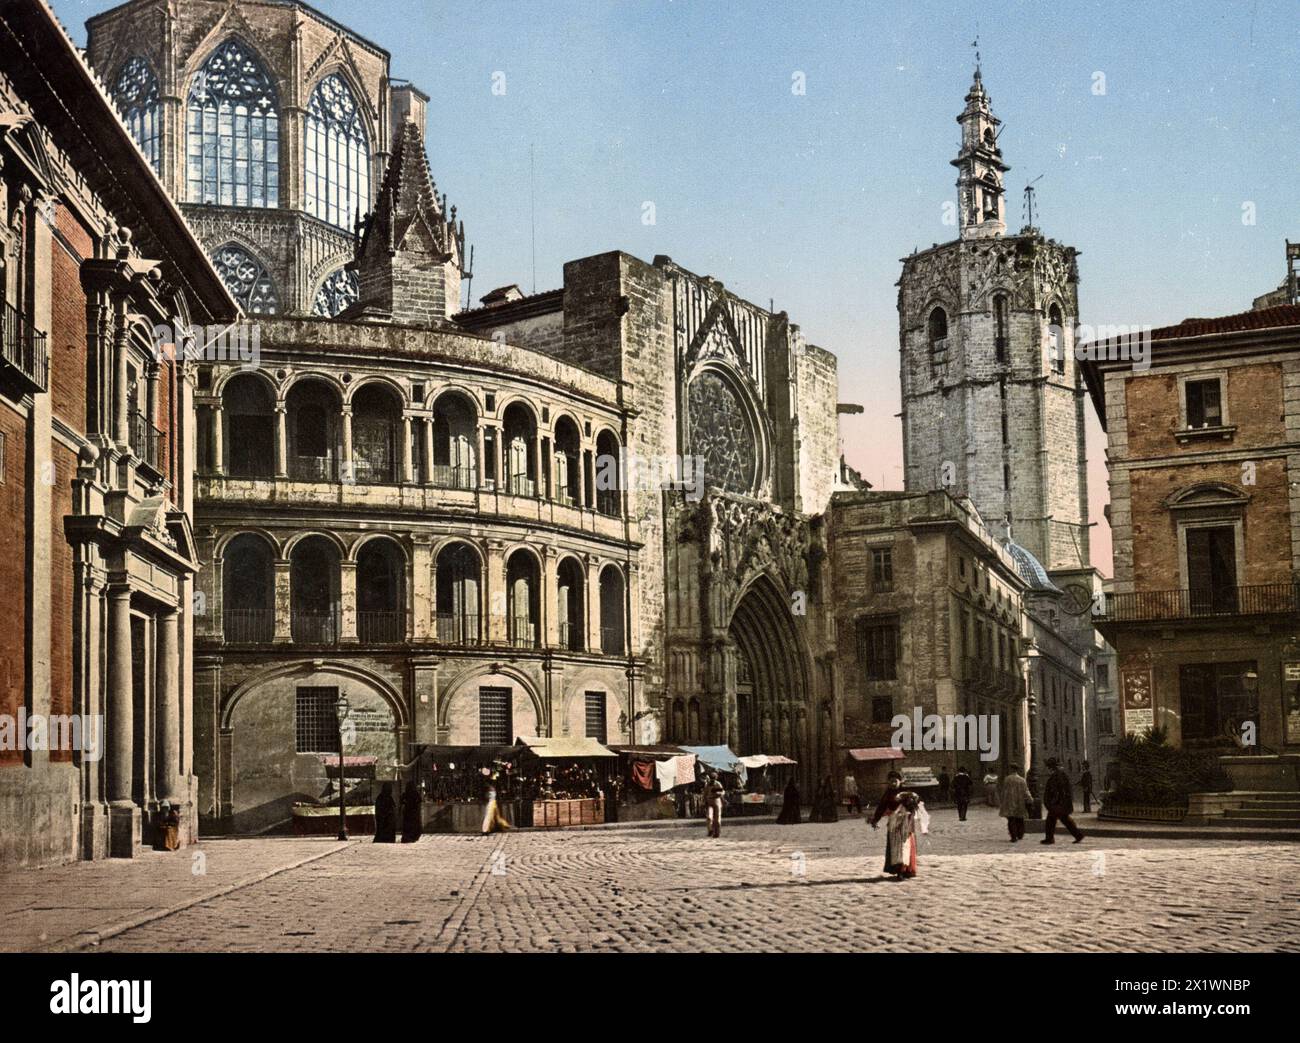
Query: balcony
[(452, 628), (146, 440), (312, 469), (248, 625), (1153, 606), (381, 627), (447, 476), (315, 628), (23, 349), (522, 632)]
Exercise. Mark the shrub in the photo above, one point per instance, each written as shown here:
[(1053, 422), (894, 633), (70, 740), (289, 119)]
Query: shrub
[(1152, 772)]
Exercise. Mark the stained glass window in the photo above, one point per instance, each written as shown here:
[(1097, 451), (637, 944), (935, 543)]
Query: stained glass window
[(337, 291), (248, 282), (233, 131), (721, 433), (337, 186), (136, 94)]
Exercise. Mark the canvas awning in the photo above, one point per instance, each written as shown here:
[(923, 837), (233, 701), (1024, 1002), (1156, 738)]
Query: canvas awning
[(763, 760), (877, 753), (719, 757), (564, 749), (660, 750)]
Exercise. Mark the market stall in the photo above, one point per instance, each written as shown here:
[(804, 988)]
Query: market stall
[(871, 767), (321, 816), (732, 770), (454, 779), (657, 780), (565, 781), (767, 775)]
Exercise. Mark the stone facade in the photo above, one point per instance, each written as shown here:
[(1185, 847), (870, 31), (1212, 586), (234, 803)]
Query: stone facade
[(1205, 507), (96, 458)]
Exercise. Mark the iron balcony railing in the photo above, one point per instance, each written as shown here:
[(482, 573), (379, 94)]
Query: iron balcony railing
[(24, 348), (248, 625), (315, 628), (571, 636), (453, 628), (522, 632), (312, 469), (146, 439), (381, 627), (1141, 606), (447, 476)]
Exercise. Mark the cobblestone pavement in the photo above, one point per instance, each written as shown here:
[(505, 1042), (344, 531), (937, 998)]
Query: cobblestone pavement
[(768, 887)]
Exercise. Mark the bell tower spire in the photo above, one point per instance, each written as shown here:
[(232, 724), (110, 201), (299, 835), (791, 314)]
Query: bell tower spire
[(981, 196)]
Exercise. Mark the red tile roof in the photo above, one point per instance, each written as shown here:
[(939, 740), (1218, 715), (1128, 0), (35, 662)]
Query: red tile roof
[(1264, 319)]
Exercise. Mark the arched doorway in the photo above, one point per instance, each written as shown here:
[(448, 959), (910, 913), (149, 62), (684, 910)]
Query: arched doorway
[(772, 705)]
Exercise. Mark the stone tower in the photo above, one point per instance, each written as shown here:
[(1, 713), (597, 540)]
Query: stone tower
[(992, 396)]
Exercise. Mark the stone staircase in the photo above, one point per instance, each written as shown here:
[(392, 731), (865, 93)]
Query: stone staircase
[(1263, 810)]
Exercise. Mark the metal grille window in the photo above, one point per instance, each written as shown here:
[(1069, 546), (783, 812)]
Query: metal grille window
[(495, 724), (882, 568), (878, 650), (136, 95), (338, 155), (337, 291), (317, 720), (596, 716), (232, 150)]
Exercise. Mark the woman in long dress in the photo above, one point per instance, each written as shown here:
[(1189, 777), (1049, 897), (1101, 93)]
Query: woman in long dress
[(493, 820), (412, 813), (791, 814), (386, 816), (899, 808)]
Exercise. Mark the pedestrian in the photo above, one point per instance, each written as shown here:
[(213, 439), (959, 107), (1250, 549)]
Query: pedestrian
[(170, 832), (1085, 782), (412, 813), (714, 791), (493, 820), (901, 810), (851, 798), (1059, 802), (1013, 802), (386, 816), (962, 786), (824, 804), (991, 788), (945, 785), (791, 813)]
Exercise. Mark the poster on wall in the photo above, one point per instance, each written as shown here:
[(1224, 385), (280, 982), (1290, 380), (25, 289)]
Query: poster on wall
[(1291, 700), (1139, 704)]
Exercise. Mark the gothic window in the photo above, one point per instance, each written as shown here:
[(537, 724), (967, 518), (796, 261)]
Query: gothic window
[(721, 433), (136, 95), (232, 131), (338, 155), (937, 335), (1000, 327), (337, 291), (248, 282), (1056, 340)]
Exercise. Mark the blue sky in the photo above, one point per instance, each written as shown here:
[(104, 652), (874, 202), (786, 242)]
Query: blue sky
[(811, 200)]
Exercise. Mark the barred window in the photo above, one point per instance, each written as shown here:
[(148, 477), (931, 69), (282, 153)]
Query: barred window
[(136, 95), (248, 282), (337, 173), (495, 724), (596, 716), (878, 650), (232, 151), (337, 291), (317, 720)]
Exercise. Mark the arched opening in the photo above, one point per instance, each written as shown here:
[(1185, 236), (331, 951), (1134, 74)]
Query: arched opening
[(381, 599), (455, 438), (745, 701), (457, 599), (337, 153), (937, 335), (314, 591), (248, 590), (609, 484), (313, 409), (520, 440), (376, 434), (613, 640), (568, 463), (1056, 339), (1001, 323), (250, 427), (569, 605), (693, 721), (523, 588)]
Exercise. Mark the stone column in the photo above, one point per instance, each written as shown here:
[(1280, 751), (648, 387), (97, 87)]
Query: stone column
[(281, 441), (426, 469), (218, 416), (169, 708), (481, 462), (283, 601), (345, 471), (121, 340), (591, 590), (494, 587), (406, 450), (422, 590), (536, 450), (124, 816), (548, 626), (347, 601)]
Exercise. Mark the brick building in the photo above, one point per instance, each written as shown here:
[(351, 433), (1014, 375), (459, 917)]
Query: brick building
[(96, 455), (1205, 508)]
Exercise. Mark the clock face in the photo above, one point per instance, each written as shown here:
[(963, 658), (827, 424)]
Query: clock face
[(1078, 599), (720, 432)]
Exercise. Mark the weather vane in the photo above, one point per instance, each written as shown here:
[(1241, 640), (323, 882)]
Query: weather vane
[(976, 45)]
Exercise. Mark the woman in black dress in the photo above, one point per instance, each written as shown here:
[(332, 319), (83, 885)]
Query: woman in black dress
[(412, 819), (386, 816), (790, 811)]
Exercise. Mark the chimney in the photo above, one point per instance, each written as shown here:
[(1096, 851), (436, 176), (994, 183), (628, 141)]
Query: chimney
[(407, 101)]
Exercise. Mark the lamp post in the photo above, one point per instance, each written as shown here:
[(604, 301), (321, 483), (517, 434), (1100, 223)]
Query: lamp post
[(341, 709), (1032, 657)]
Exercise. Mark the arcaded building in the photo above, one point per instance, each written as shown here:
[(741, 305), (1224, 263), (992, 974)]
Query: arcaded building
[(585, 512)]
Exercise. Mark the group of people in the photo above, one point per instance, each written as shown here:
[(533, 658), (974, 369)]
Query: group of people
[(386, 815), (825, 805)]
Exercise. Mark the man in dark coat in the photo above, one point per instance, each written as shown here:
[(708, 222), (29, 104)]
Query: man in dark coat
[(1058, 799), (412, 813), (1085, 783), (386, 816), (962, 785)]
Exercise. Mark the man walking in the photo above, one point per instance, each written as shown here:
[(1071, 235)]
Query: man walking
[(962, 784), (714, 791), (1059, 802), (1085, 783), (1013, 802)]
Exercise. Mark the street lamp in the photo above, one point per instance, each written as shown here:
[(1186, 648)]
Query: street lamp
[(341, 709)]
